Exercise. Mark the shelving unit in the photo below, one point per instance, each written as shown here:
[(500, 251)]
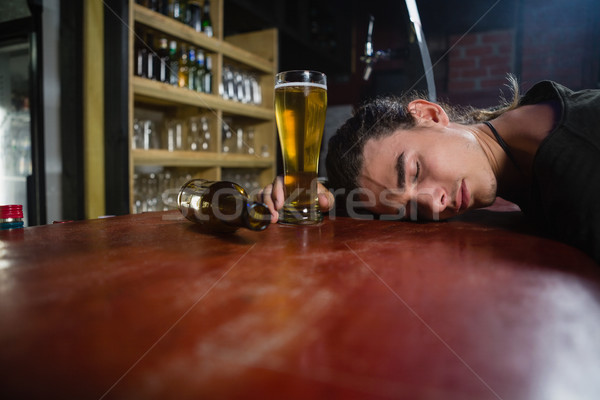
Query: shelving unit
[(255, 52)]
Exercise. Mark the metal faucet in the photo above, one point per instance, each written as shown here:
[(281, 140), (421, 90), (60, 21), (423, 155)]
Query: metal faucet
[(371, 57)]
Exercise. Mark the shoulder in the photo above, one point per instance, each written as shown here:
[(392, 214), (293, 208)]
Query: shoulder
[(565, 188)]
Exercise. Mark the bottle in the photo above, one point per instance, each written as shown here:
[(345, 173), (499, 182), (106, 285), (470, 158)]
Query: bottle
[(11, 217), (150, 57), (192, 69), (162, 60), (207, 27), (221, 206), (164, 6), (177, 10), (184, 75), (141, 55), (195, 15), (207, 74), (173, 64), (200, 71), (153, 5)]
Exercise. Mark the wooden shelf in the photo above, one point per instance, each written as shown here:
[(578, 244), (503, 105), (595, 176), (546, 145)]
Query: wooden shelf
[(253, 52), (176, 29), (199, 159)]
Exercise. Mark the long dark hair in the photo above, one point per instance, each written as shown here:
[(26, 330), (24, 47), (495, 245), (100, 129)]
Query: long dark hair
[(383, 116)]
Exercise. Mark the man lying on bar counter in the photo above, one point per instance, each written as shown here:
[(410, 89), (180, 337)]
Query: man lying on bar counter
[(412, 159)]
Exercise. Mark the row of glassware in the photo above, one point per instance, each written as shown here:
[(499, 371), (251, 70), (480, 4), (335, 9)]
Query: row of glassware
[(194, 134), (240, 85), (156, 188)]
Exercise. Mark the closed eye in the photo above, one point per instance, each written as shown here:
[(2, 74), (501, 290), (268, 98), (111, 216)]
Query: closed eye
[(418, 172)]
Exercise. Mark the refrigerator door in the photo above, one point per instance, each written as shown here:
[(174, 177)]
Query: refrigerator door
[(15, 122)]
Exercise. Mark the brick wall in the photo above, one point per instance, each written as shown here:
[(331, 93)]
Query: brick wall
[(480, 61), (559, 41), (478, 64)]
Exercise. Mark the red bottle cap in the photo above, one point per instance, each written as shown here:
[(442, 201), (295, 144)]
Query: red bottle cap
[(12, 211)]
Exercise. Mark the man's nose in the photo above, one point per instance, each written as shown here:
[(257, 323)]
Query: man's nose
[(432, 201)]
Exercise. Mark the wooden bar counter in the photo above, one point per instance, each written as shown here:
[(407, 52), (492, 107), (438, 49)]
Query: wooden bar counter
[(149, 307)]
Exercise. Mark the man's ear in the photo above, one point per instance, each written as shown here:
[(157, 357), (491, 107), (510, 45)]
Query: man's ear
[(425, 111)]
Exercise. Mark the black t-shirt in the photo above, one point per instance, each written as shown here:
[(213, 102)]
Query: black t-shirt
[(565, 196)]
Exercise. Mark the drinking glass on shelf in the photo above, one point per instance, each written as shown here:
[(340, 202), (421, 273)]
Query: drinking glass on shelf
[(175, 134), (167, 191), (256, 91), (145, 135), (229, 142), (205, 135), (194, 136), (138, 134), (152, 192), (249, 140), (239, 141), (300, 107)]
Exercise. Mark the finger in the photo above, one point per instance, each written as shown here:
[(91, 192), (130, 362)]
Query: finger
[(326, 201), (277, 193), (264, 195), (326, 198), (275, 204)]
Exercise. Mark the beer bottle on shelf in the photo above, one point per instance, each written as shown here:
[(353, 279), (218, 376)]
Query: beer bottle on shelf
[(192, 69), (208, 74), (153, 5), (162, 60), (164, 6), (177, 10), (207, 27), (173, 64), (183, 72), (141, 55), (195, 15), (221, 206), (200, 71), (150, 57)]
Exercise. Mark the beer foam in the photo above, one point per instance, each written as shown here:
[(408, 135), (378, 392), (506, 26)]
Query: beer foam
[(288, 84)]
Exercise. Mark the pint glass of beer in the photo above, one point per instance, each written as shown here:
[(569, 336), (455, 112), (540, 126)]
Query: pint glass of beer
[(300, 106)]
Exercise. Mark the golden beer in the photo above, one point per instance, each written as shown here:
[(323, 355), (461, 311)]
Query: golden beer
[(300, 109)]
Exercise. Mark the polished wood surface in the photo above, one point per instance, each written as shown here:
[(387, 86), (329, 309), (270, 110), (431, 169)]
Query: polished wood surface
[(149, 307)]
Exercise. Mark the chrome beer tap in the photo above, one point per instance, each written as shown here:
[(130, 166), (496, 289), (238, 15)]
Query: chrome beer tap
[(371, 57)]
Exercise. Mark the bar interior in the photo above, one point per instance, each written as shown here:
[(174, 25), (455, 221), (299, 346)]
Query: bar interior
[(149, 150)]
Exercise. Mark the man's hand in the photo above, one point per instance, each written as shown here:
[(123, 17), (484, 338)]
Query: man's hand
[(273, 197)]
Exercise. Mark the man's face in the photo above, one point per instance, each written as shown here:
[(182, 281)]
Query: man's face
[(428, 172)]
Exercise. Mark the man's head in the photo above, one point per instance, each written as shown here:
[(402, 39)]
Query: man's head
[(410, 161)]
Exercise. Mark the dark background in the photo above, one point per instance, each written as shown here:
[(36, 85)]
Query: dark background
[(541, 38)]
